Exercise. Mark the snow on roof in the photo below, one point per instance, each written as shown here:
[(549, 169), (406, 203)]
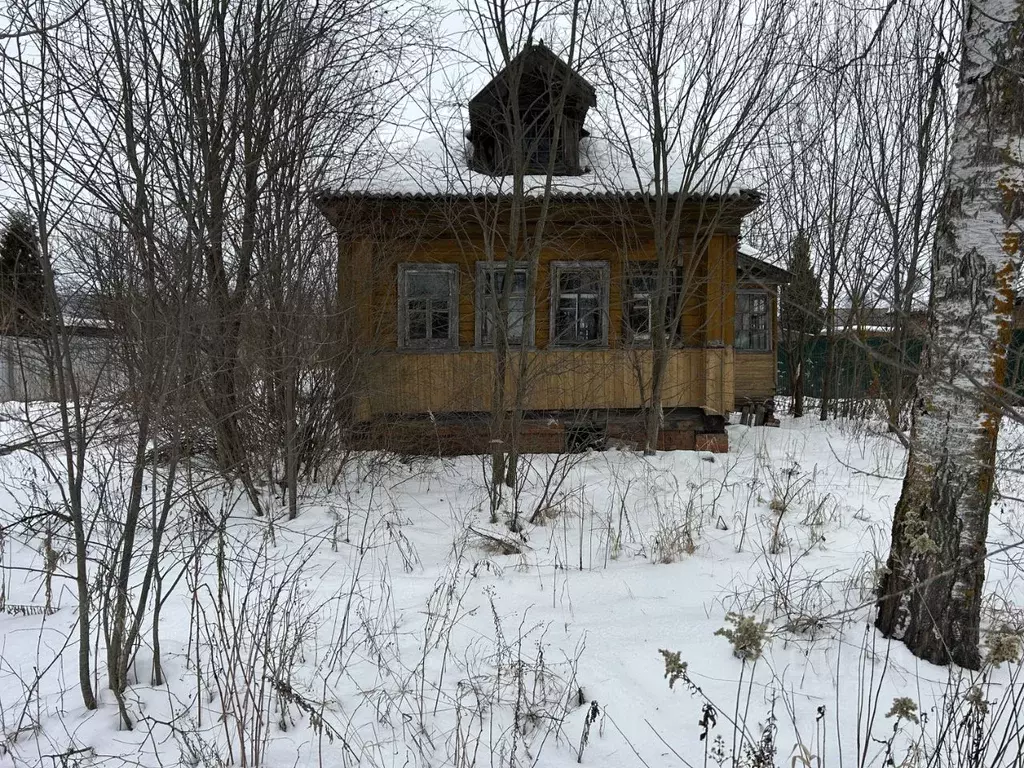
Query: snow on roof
[(424, 150), (431, 166)]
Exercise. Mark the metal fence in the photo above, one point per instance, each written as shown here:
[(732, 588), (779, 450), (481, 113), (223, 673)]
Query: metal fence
[(867, 367)]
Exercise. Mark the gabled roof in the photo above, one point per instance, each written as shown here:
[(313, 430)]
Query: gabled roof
[(757, 270), (536, 60)]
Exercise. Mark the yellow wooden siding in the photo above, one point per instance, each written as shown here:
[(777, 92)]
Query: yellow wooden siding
[(755, 375), (417, 382), (555, 380)]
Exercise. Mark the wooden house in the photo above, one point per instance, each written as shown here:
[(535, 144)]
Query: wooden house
[(418, 271)]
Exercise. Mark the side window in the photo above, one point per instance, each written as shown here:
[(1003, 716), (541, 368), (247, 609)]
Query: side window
[(428, 306), (490, 289), (579, 303), (753, 323)]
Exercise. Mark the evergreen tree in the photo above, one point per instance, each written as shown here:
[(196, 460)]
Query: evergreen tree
[(800, 316), (22, 285)]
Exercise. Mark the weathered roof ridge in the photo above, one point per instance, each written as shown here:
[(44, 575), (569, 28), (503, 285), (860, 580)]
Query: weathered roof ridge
[(540, 51)]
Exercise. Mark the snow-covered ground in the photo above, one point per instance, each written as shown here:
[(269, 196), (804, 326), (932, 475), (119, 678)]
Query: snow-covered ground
[(381, 628)]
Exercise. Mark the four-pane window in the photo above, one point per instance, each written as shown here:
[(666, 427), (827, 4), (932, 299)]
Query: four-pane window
[(428, 304), (490, 289), (579, 303), (752, 322)]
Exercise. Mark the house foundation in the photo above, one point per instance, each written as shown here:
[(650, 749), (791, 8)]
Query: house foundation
[(460, 434)]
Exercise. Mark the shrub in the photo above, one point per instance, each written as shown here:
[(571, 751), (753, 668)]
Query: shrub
[(747, 636)]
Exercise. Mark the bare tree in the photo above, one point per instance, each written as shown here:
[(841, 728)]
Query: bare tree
[(235, 114), (854, 166), (799, 316), (903, 95), (168, 155), (931, 594), (693, 87), (36, 142), (843, 221), (509, 197)]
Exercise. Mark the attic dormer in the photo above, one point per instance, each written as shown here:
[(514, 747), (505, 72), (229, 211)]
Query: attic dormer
[(513, 119)]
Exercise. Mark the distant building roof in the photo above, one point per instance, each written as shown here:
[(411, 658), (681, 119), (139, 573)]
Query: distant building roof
[(751, 268)]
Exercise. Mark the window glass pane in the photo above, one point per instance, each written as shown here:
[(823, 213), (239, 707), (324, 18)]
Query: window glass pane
[(590, 281), (487, 329), (489, 309), (640, 285), (428, 283), (569, 281), (752, 322), (417, 325), (439, 321), (589, 325), (565, 319), (494, 281), (516, 323), (578, 311), (639, 317)]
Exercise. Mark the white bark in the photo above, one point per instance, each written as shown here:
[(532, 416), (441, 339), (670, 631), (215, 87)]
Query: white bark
[(936, 566)]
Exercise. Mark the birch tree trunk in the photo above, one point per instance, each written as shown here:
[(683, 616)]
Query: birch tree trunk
[(930, 597)]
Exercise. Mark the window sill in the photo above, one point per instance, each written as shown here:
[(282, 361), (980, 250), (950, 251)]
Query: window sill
[(428, 350), (579, 347), (511, 348)]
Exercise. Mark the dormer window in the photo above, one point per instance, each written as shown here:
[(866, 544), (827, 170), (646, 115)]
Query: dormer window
[(537, 143), (529, 118)]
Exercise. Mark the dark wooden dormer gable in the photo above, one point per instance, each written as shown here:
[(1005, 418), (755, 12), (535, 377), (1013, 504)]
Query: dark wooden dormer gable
[(513, 119)]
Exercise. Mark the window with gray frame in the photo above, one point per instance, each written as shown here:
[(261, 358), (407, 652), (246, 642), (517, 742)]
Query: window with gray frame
[(753, 322), (428, 300), (579, 303), (490, 282)]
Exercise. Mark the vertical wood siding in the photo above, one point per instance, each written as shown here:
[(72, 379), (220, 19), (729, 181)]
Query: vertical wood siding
[(701, 373)]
